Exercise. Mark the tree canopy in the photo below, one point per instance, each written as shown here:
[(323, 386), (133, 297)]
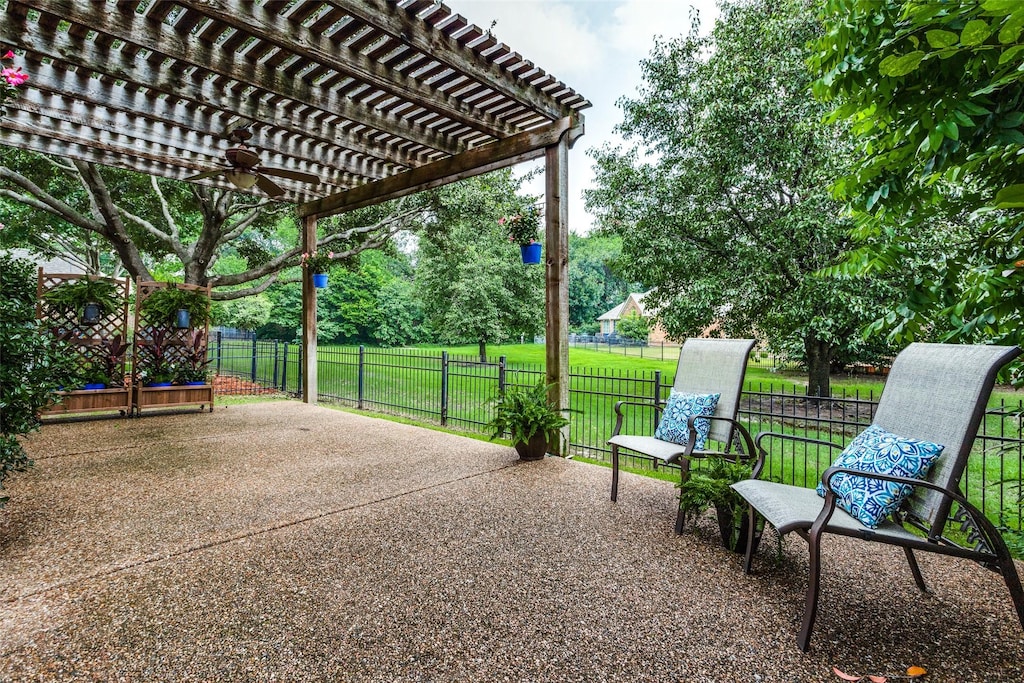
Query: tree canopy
[(722, 202), (934, 94)]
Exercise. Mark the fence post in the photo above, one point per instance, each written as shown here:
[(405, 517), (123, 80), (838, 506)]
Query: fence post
[(298, 389), (444, 388), (657, 396), (220, 347), (361, 376), (284, 369), (253, 373), (501, 376), (274, 383)]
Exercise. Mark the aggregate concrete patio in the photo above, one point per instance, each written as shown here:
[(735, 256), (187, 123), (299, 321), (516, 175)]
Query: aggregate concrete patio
[(279, 541)]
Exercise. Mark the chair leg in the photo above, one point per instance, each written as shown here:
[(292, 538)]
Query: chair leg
[(915, 570), (803, 640), (1009, 571), (615, 472), (748, 558)]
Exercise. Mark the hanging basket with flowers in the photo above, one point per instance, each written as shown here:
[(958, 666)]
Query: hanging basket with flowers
[(523, 229), (319, 266)]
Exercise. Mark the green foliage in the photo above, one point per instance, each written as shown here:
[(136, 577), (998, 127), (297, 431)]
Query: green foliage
[(247, 313), (935, 96), (633, 326), (523, 226), (525, 411), (33, 364), (162, 305), (472, 282), (710, 485), (594, 282), (192, 364), (318, 261), (729, 218), (72, 295)]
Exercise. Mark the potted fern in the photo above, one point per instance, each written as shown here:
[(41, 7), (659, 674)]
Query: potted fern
[(89, 298), (530, 420), (710, 485)]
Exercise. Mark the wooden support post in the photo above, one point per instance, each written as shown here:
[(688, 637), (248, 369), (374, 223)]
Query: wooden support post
[(556, 247), (309, 388)]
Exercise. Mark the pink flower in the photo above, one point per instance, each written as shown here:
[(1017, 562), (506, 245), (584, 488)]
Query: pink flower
[(9, 55), (330, 254), (501, 221), (14, 76)]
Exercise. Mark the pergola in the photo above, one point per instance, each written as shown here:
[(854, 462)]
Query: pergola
[(378, 98)]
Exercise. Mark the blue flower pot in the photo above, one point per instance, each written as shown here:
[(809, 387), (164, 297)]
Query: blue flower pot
[(158, 384), (90, 314), (320, 280), (93, 386), (195, 384), (183, 319), (530, 252)]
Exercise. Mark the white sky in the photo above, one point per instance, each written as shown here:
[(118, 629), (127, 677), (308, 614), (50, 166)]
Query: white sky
[(594, 47)]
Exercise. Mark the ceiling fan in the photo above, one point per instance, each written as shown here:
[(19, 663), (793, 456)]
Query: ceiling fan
[(243, 167)]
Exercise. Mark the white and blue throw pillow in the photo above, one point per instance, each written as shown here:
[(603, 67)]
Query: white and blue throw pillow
[(678, 409), (880, 452)]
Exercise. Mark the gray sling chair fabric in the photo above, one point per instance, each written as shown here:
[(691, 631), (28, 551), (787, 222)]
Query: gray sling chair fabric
[(706, 366), (935, 392)]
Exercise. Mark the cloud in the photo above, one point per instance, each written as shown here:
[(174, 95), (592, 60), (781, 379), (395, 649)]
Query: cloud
[(556, 36), (635, 22)]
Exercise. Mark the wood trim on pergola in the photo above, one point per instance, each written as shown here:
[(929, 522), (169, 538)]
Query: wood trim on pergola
[(377, 98)]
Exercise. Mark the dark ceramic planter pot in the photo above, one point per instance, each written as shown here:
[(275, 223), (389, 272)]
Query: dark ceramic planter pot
[(536, 449), (726, 523), (183, 319)]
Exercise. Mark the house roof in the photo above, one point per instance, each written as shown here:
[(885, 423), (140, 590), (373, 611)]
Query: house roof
[(380, 97), (637, 298)]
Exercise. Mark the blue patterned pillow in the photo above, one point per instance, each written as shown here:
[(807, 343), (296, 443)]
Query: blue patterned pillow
[(677, 413), (878, 451)]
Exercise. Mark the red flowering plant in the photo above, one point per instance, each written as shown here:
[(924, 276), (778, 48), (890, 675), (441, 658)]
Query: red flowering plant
[(318, 263), (10, 78), (523, 227)]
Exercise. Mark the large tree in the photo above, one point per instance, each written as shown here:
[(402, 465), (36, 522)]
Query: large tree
[(722, 202), (471, 279), (106, 217), (935, 95), (594, 283)]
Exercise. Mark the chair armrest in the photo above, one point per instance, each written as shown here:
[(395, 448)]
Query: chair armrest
[(619, 415), (762, 453)]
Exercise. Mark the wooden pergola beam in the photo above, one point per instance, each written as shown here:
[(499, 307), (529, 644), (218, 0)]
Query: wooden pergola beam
[(477, 161), (138, 31), (295, 38)]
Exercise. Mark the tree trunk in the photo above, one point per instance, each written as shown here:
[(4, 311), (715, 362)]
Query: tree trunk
[(483, 350), (818, 355)]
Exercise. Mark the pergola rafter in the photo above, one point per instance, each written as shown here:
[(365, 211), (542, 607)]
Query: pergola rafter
[(377, 98)]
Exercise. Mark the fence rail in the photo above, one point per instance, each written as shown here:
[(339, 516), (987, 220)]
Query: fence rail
[(454, 391)]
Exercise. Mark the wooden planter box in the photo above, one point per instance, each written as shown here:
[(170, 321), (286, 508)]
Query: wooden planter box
[(91, 401), (167, 397)]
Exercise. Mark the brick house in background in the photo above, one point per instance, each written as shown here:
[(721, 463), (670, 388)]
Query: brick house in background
[(634, 303)]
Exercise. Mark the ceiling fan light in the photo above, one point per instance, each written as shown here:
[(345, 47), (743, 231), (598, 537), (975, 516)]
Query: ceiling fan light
[(241, 178)]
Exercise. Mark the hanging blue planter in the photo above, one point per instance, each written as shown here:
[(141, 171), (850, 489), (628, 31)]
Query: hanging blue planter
[(320, 280), (183, 319), (530, 252)]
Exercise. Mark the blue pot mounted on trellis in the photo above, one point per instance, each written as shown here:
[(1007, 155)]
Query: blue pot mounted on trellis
[(530, 252), (320, 280), (182, 319)]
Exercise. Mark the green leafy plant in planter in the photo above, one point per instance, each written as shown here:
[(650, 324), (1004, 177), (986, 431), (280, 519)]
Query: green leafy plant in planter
[(192, 367), (710, 485), (531, 421), (155, 363), (162, 305), (73, 296)]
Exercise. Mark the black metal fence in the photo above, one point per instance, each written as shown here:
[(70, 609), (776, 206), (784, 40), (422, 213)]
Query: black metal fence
[(455, 391)]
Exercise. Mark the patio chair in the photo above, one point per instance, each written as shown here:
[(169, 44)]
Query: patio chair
[(706, 366), (935, 393)]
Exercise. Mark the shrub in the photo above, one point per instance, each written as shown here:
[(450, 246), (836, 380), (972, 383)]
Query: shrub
[(34, 365)]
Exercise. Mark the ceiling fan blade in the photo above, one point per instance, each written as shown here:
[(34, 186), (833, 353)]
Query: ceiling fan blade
[(268, 186), (291, 175), (206, 174)]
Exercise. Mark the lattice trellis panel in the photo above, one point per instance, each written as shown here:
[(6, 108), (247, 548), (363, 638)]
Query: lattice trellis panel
[(88, 342), (155, 336)]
